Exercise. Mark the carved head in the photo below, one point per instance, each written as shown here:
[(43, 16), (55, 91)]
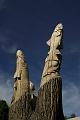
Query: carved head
[(19, 53), (59, 26), (58, 29)]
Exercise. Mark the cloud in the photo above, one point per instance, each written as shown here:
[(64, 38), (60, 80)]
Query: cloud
[(6, 89), (2, 4), (5, 44), (71, 99), (9, 49)]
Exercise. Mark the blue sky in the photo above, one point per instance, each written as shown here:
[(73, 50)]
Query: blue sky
[(27, 25)]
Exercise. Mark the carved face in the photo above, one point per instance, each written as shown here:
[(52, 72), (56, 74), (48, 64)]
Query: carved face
[(19, 53), (57, 33), (58, 29)]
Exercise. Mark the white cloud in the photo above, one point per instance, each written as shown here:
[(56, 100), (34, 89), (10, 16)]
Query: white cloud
[(9, 49), (6, 46), (6, 92), (6, 89), (71, 99)]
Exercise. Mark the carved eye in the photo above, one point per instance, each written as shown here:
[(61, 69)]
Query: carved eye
[(19, 78)]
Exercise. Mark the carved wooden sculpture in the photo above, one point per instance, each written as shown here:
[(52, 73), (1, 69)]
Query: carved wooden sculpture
[(54, 58), (21, 76)]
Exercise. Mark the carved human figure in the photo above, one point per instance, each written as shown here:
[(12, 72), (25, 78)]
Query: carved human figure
[(19, 64), (56, 40), (21, 76), (54, 58)]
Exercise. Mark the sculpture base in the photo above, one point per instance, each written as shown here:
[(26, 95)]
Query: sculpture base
[(49, 102), (20, 109), (47, 107)]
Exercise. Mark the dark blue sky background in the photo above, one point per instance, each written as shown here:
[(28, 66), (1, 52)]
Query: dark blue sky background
[(27, 25)]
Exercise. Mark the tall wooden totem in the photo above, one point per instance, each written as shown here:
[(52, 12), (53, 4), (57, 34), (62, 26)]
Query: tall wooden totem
[(50, 93)]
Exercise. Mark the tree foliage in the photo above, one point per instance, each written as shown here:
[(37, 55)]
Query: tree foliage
[(4, 109), (73, 115)]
